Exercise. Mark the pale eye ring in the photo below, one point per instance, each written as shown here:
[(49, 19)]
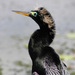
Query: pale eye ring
[(34, 14)]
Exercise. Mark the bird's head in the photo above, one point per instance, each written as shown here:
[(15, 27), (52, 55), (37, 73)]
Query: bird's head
[(41, 16)]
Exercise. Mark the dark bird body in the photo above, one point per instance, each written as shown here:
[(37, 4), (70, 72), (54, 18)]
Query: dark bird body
[(45, 61)]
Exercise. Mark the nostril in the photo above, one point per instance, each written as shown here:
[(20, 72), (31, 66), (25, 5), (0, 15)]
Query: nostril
[(35, 73)]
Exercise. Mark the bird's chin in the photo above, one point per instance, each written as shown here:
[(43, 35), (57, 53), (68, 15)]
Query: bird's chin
[(35, 73)]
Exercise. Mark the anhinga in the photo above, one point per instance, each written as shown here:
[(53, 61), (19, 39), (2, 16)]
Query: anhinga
[(45, 61)]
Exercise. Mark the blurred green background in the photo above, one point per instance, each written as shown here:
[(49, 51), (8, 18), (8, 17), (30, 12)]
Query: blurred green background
[(15, 31)]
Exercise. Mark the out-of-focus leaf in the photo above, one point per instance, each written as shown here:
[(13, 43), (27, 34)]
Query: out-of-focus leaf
[(70, 35), (72, 73), (26, 45), (1, 71), (66, 57)]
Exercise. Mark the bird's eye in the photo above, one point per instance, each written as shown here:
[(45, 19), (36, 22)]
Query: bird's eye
[(34, 14)]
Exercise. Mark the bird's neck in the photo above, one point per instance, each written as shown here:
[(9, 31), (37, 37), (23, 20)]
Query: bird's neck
[(47, 25), (48, 30), (41, 38)]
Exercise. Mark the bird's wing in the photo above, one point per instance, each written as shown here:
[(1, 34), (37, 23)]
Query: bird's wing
[(65, 72), (50, 67)]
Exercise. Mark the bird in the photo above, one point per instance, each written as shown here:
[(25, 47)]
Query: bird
[(45, 61)]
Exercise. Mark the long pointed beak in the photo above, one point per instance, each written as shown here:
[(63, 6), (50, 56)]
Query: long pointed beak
[(21, 12)]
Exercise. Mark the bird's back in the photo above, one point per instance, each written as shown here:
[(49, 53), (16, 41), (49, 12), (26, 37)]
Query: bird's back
[(48, 63)]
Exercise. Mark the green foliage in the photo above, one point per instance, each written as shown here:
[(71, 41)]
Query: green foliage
[(26, 46), (20, 63), (71, 35), (73, 73), (1, 71), (66, 57)]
